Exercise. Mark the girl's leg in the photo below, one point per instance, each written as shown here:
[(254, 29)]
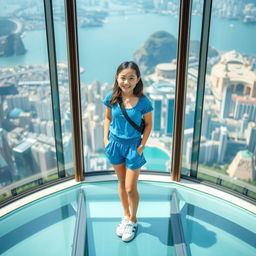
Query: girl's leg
[(131, 189), (120, 170)]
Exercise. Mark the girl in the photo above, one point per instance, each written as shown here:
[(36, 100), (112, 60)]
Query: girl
[(123, 143)]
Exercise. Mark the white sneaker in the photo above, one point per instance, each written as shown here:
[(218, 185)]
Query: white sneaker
[(120, 228), (130, 231)]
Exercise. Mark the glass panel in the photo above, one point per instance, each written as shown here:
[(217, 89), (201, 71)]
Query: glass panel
[(111, 32), (27, 143), (228, 139), (63, 81), (194, 50)]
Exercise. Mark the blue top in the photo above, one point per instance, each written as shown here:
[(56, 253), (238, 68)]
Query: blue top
[(119, 126)]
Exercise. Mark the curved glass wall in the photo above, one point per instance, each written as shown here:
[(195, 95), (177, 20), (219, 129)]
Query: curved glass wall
[(27, 132), (63, 83), (111, 32), (192, 80), (228, 132)]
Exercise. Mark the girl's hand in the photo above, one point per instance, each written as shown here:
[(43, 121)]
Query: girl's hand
[(140, 149), (105, 143)]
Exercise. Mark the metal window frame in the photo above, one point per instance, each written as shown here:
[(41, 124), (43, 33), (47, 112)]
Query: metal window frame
[(204, 43), (181, 82), (74, 87), (52, 59)]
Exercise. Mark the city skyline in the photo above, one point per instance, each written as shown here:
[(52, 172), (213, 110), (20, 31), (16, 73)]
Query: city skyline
[(228, 132)]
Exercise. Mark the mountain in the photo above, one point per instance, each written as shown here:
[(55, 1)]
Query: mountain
[(13, 46), (160, 47)]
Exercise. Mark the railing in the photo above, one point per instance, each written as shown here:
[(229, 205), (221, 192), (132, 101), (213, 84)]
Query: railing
[(222, 177)]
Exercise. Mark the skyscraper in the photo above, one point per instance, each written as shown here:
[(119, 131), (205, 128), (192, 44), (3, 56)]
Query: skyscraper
[(226, 102), (18, 101), (5, 149), (244, 123), (216, 134), (223, 144), (23, 158), (99, 108), (169, 114), (44, 110), (43, 157), (252, 140), (157, 101), (189, 118), (206, 124), (245, 105), (187, 143), (211, 151), (96, 131)]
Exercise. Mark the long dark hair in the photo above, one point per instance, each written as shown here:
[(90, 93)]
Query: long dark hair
[(117, 92)]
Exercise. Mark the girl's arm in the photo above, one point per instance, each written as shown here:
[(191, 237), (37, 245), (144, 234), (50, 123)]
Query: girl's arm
[(107, 121), (148, 127)]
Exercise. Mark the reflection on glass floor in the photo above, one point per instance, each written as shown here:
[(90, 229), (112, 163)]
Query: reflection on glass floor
[(211, 226), (104, 212)]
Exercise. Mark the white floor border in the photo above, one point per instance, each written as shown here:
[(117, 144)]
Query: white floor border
[(146, 177)]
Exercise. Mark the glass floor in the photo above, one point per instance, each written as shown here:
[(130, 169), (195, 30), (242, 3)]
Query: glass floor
[(210, 226)]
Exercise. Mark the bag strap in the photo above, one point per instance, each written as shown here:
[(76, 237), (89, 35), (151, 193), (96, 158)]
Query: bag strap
[(133, 124)]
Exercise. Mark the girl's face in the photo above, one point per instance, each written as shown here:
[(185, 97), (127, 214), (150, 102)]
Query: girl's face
[(127, 80)]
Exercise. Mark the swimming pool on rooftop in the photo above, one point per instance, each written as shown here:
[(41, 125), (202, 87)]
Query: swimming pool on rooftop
[(156, 158), (211, 225)]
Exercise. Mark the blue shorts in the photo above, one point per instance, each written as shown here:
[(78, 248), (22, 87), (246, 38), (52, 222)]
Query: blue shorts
[(120, 151)]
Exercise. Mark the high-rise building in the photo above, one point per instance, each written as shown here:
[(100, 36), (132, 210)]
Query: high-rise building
[(226, 102), (96, 85), (202, 152), (90, 93), (169, 114), (43, 158), (104, 89), (36, 126), (211, 151), (44, 110), (49, 129), (68, 150), (6, 175), (189, 118), (188, 134), (23, 158), (188, 150), (99, 107), (252, 140), (5, 149), (90, 111), (86, 158), (18, 101), (67, 122), (43, 125), (216, 134), (244, 123), (96, 131), (25, 119), (222, 145), (245, 105), (206, 124), (157, 101)]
